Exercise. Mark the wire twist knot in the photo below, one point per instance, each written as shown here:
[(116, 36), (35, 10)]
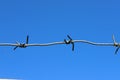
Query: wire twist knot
[(70, 41)]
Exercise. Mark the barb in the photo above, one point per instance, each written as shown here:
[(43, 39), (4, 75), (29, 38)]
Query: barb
[(117, 50), (70, 41), (22, 45), (116, 44)]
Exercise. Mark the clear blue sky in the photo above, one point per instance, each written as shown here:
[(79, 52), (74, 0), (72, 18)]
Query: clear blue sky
[(51, 20)]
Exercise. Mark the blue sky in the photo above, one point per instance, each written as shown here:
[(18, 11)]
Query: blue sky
[(51, 20)]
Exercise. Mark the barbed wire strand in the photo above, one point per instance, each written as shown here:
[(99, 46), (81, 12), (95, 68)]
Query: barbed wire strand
[(70, 41)]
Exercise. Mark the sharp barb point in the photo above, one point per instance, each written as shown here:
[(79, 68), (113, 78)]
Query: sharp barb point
[(117, 50), (69, 37), (15, 48), (113, 39), (73, 46), (27, 39)]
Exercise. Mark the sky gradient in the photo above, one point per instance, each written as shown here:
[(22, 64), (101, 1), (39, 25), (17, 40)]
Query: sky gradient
[(52, 20)]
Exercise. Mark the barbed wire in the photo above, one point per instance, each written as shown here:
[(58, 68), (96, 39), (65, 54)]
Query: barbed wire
[(69, 41)]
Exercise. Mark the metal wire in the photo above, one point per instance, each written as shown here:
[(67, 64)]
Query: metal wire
[(75, 41), (70, 41)]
